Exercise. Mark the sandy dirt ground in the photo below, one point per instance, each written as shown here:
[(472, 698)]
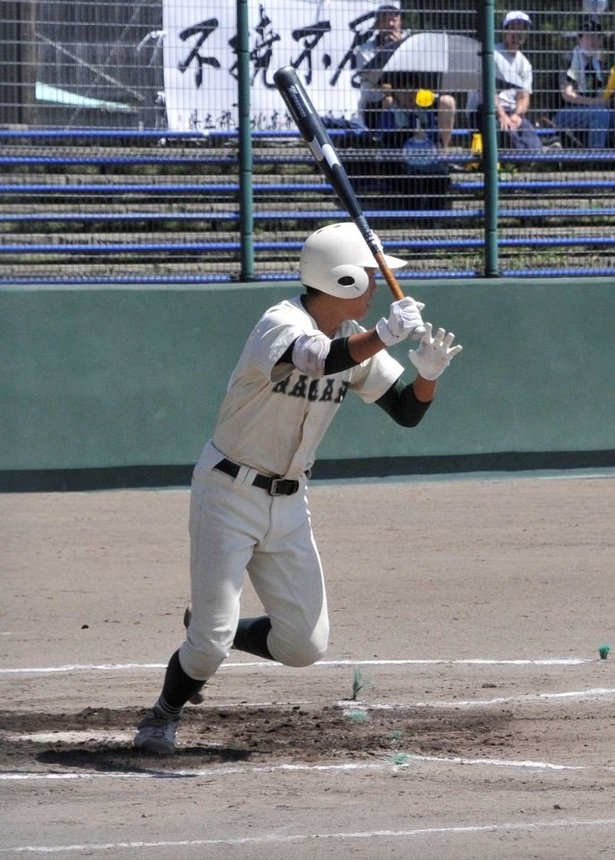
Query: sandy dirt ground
[(463, 710)]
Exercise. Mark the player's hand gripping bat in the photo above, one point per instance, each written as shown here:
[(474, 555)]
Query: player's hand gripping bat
[(315, 135)]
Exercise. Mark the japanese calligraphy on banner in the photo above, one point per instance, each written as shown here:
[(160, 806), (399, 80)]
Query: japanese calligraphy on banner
[(317, 37)]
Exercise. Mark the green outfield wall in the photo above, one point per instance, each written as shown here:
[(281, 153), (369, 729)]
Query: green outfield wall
[(120, 385)]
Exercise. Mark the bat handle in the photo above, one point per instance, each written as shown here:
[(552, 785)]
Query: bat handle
[(388, 275)]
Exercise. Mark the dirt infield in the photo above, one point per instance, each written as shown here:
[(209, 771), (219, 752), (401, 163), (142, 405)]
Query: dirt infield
[(463, 709)]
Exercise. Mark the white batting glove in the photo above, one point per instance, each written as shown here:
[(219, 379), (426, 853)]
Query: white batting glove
[(434, 354), (404, 321)]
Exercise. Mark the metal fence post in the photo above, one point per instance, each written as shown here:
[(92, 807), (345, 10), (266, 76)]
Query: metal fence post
[(246, 214), (486, 15)]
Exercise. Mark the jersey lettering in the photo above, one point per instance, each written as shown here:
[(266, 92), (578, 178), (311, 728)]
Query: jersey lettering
[(327, 394), (342, 392), (300, 388), (313, 392), (281, 386)]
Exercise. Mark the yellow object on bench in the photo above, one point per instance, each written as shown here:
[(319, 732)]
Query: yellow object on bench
[(425, 98)]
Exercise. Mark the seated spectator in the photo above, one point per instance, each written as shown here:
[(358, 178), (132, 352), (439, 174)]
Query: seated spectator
[(376, 100), (582, 86), (372, 56), (403, 117), (514, 76)]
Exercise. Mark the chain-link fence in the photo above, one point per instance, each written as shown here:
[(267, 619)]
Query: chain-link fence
[(120, 136)]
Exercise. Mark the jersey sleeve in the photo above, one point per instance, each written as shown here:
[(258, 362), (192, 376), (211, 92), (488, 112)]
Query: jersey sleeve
[(276, 330), (372, 378)]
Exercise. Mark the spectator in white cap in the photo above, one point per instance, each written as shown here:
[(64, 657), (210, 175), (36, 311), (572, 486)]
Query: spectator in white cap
[(514, 17), (514, 75)]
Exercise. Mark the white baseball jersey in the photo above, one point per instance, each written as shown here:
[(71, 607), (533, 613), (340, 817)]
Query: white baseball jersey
[(513, 69), (274, 417), (585, 70)]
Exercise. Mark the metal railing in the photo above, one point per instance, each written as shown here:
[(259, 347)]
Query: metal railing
[(122, 197)]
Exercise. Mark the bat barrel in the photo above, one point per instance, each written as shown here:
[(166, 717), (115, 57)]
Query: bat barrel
[(299, 106)]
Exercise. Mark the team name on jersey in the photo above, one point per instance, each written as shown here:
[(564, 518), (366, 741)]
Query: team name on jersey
[(326, 390)]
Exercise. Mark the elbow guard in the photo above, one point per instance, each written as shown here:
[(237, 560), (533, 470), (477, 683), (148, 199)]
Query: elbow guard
[(310, 352)]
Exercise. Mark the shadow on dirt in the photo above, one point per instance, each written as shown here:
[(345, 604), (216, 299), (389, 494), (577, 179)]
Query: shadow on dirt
[(107, 759)]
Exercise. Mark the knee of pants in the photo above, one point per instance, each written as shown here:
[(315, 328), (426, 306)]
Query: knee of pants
[(202, 662), (300, 651)]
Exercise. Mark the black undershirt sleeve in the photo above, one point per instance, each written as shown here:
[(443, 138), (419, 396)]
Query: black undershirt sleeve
[(401, 404), (339, 357), (287, 356)]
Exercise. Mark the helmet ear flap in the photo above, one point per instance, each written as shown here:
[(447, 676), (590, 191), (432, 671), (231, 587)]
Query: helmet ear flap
[(348, 280)]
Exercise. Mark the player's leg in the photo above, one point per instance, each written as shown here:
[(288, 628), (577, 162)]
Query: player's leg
[(252, 635), (287, 575), (599, 123), (447, 111), (220, 546)]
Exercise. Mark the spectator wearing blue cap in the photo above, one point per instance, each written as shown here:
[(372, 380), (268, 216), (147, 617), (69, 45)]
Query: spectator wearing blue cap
[(514, 78), (582, 86)]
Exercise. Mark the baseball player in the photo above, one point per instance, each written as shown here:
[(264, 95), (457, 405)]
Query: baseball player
[(248, 507)]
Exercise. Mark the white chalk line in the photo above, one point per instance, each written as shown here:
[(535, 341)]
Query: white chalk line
[(394, 764), (123, 667), (293, 838), (349, 706), (595, 693)]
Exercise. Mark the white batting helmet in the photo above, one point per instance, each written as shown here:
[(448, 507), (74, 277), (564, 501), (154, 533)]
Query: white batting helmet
[(334, 258)]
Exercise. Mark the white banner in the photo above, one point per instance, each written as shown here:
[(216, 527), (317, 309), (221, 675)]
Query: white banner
[(317, 37)]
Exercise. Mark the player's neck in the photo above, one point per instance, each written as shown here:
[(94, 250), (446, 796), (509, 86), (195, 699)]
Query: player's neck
[(326, 311)]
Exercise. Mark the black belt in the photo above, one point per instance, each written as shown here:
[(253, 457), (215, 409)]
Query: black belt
[(274, 485)]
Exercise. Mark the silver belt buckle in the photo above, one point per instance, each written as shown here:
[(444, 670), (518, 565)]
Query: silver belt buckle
[(275, 482)]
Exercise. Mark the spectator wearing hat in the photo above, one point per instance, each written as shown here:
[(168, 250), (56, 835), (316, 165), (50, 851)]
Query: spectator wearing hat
[(582, 85), (377, 103), (373, 55), (514, 76)]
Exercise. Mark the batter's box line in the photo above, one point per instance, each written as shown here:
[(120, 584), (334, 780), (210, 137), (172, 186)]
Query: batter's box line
[(124, 667), (384, 766), (596, 693)]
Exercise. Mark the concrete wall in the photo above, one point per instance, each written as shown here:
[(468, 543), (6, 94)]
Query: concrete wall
[(130, 378)]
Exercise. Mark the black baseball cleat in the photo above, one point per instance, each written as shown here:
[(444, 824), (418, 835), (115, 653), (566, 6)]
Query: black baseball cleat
[(156, 735)]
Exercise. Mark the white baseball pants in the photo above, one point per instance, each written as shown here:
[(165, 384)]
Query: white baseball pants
[(236, 527)]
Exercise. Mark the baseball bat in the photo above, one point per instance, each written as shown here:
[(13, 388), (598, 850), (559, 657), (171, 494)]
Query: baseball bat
[(319, 143)]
